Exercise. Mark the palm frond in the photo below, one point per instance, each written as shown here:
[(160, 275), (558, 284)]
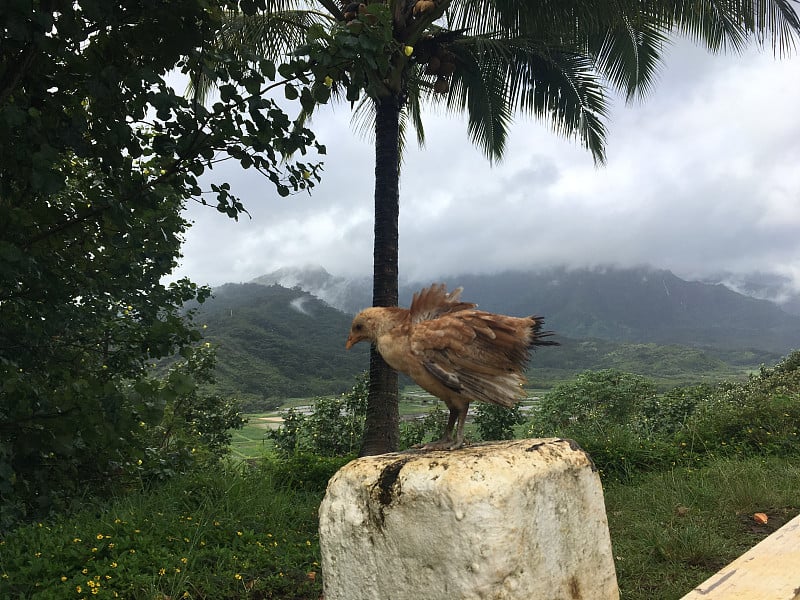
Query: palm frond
[(273, 34), (479, 86), (496, 77), (629, 56), (504, 16), (724, 24), (412, 115), (550, 58), (362, 120), (567, 91)]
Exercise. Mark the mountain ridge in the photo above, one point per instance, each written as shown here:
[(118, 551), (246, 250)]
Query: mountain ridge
[(275, 343), (640, 304)]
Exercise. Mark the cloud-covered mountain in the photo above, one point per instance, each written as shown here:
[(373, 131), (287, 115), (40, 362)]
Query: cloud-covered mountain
[(632, 305), (774, 287), (348, 295)]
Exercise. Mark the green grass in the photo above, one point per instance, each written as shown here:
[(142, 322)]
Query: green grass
[(671, 531), (250, 441), (237, 532), (251, 533)]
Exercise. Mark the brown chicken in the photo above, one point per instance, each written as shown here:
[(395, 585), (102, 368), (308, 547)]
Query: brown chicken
[(454, 351)]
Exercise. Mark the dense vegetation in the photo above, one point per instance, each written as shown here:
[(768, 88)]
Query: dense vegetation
[(99, 156), (627, 427), (682, 469)]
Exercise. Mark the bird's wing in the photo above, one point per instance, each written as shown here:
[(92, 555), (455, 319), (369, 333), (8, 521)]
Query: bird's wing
[(434, 301), (479, 355)]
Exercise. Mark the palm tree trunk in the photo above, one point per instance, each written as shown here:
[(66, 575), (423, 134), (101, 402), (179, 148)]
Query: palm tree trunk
[(382, 426)]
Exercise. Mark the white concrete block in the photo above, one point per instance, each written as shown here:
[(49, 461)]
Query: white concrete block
[(518, 520)]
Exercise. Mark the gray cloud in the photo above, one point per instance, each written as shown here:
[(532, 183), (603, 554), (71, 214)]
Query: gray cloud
[(702, 177)]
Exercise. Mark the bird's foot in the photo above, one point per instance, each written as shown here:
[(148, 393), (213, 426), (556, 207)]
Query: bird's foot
[(445, 444)]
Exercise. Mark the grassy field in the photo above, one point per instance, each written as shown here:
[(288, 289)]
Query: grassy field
[(251, 441), (671, 531), (250, 532)]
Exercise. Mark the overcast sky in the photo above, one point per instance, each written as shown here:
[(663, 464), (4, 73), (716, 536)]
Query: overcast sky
[(702, 176)]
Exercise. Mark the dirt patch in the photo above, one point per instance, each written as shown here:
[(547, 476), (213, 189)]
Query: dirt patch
[(266, 422), (775, 520)]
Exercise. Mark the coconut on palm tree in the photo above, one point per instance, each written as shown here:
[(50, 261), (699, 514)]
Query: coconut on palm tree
[(553, 59)]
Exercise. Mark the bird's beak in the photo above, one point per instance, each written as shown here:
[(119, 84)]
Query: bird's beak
[(349, 343)]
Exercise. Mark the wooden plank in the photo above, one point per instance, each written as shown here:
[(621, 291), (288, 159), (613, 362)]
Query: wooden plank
[(770, 570)]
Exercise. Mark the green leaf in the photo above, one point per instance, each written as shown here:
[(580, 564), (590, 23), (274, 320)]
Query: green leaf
[(307, 100), (290, 92), (322, 93)]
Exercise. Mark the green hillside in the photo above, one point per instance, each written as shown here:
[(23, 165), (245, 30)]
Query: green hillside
[(274, 343), (639, 305), (666, 365)]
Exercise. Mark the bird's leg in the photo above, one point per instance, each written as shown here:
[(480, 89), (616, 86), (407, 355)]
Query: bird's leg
[(462, 417), (446, 440), (459, 416)]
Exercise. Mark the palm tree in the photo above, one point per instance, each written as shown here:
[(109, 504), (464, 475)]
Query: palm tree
[(554, 59)]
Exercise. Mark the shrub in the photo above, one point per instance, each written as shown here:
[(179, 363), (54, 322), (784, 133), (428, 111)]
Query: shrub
[(495, 422), (155, 428), (334, 427), (669, 412), (309, 472), (419, 429), (627, 428), (599, 397), (758, 417)]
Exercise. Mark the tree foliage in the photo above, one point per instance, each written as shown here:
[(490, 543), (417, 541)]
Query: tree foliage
[(193, 424), (553, 60), (99, 156)]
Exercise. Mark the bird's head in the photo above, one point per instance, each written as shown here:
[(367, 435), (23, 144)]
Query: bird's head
[(363, 328), (369, 324)]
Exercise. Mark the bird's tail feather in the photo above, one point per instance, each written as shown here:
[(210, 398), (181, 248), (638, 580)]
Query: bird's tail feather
[(538, 337)]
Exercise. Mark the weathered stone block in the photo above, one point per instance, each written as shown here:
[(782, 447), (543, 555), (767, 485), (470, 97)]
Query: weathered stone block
[(518, 520)]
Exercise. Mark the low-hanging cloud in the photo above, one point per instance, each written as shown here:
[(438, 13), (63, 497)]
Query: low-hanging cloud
[(701, 178)]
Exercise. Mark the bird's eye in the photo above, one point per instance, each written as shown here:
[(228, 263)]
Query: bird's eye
[(358, 327)]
